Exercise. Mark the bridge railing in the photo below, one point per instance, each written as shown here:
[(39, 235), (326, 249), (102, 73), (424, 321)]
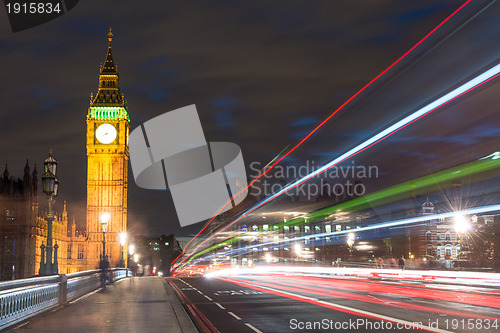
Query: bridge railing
[(22, 299)]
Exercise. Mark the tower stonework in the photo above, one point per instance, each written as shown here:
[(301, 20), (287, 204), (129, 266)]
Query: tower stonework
[(108, 127)]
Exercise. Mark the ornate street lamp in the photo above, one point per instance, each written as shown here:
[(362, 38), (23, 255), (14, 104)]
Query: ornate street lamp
[(131, 252), (50, 185), (461, 227), (105, 217), (298, 251), (350, 242), (123, 239)]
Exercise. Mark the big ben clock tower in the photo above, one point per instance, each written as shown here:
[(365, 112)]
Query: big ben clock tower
[(108, 126)]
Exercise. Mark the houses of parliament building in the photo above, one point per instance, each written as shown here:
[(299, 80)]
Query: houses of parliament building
[(23, 228)]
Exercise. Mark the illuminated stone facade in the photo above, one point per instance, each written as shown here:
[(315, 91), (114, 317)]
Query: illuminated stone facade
[(23, 228), (107, 165)]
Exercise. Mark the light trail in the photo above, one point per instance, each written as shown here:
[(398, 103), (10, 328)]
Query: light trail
[(429, 182), (470, 211), (429, 108), (462, 280), (463, 89), (335, 288), (297, 295), (327, 119)]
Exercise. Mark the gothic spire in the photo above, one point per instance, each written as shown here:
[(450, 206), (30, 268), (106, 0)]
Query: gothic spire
[(34, 176), (6, 172), (109, 64), (35, 172), (109, 88), (27, 168)]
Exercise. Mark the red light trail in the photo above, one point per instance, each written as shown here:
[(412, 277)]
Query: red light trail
[(320, 125)]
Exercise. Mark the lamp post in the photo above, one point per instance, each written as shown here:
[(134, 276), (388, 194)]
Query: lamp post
[(350, 243), (130, 253), (123, 239), (50, 185), (461, 226), (298, 251), (104, 227)]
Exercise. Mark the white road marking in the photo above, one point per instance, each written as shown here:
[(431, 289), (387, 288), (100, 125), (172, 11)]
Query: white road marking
[(362, 312), (253, 328), (220, 306), (208, 298), (235, 316)]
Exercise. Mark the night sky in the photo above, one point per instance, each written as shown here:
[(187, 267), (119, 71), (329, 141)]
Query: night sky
[(262, 75)]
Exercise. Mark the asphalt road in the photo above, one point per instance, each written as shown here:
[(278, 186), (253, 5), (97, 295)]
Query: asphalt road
[(281, 303)]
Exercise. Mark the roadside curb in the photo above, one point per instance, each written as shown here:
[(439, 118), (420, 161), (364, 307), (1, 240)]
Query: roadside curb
[(185, 323), (201, 322)]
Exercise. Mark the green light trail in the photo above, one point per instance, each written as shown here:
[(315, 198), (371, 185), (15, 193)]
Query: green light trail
[(425, 184)]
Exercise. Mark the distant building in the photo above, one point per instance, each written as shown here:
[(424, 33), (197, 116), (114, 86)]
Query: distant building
[(157, 252)]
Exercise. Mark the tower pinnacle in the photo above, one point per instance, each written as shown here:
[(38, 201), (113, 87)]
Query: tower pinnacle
[(108, 94)]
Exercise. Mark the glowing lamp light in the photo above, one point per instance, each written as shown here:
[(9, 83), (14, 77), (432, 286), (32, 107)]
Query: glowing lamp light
[(268, 257), (298, 249), (123, 238), (131, 249), (350, 239), (105, 217), (461, 224)]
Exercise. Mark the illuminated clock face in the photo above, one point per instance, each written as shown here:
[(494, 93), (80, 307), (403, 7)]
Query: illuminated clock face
[(106, 133)]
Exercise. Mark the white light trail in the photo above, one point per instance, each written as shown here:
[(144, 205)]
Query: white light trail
[(391, 129), (464, 88), (470, 211)]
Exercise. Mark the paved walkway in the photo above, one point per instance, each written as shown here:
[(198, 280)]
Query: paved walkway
[(137, 304)]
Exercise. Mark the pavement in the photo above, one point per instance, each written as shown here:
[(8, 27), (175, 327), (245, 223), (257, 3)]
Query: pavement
[(136, 304)]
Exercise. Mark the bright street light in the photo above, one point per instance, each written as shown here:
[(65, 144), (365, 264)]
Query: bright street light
[(123, 238), (350, 239), (105, 217), (268, 257), (461, 224), (298, 249)]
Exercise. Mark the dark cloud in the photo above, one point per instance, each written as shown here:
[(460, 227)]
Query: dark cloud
[(262, 74)]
